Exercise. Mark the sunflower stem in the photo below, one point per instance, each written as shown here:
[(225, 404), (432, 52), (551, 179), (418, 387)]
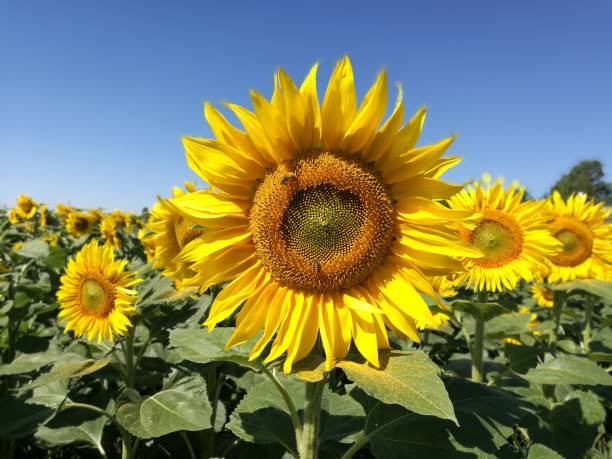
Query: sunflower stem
[(477, 344), (308, 444), (558, 301), (586, 332), (128, 351)]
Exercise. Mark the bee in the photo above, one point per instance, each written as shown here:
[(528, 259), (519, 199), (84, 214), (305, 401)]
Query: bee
[(285, 178), (316, 264)]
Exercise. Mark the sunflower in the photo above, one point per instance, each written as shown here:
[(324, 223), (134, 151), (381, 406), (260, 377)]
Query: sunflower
[(63, 210), (42, 216), (580, 225), (52, 239), (444, 286), (96, 215), (13, 216), (171, 233), (323, 223), (121, 219), (542, 295), (148, 243), (95, 297), (511, 233), (80, 223), (26, 207), (108, 230)]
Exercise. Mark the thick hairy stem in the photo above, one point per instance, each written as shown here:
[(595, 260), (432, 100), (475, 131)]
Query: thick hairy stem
[(308, 444), (477, 349)]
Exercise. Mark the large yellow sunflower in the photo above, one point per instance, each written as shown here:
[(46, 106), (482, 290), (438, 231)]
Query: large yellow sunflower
[(580, 225), (26, 207), (171, 233), (511, 233), (80, 223), (95, 297), (324, 221)]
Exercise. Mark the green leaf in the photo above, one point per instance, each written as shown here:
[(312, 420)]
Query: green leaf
[(75, 426), (485, 310), (569, 369), (184, 407), (200, 346), (486, 418), (407, 379), (602, 289), (67, 370), (507, 325), (56, 258), (539, 451), (35, 248), (24, 363), (18, 418)]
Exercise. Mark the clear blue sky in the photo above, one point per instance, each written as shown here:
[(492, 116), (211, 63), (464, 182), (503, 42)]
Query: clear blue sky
[(94, 96)]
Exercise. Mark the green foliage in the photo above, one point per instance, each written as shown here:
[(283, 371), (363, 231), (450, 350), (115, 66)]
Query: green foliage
[(586, 177)]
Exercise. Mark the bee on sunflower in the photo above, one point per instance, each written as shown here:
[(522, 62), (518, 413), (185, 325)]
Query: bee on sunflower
[(322, 222), (583, 230), (96, 296), (511, 233)]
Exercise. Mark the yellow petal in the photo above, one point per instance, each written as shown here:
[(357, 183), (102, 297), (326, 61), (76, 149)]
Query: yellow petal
[(339, 104)]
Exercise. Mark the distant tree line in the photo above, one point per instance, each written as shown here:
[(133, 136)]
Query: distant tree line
[(587, 177)]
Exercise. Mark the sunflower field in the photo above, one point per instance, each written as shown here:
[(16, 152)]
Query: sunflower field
[(322, 292)]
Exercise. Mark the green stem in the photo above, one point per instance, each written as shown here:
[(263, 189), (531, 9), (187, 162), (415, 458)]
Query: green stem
[(295, 419), (188, 443), (128, 353), (308, 444), (558, 300), (477, 349), (586, 332), (359, 443)]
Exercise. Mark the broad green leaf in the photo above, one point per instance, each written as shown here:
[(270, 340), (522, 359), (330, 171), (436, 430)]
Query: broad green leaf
[(539, 451), (67, 370), (486, 418), (56, 258), (407, 379), (600, 356), (24, 363), (522, 358), (569, 369), (485, 310), (74, 426), (35, 248), (507, 325), (602, 289), (184, 407), (200, 346), (18, 418)]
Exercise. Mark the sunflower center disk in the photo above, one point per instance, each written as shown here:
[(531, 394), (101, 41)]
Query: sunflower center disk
[(322, 222), (499, 238), (93, 297), (577, 242)]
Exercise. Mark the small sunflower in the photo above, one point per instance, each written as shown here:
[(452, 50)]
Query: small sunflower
[(581, 227), (42, 216), (444, 286), (96, 214), (52, 239), (323, 220), (542, 295), (95, 297), (63, 210), (17, 246), (26, 207), (171, 233), (108, 231), (121, 219), (80, 223), (13, 216), (511, 233)]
